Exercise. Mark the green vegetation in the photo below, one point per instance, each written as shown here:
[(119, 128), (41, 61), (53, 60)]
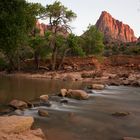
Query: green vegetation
[(122, 48), (17, 19), (20, 39), (93, 41)]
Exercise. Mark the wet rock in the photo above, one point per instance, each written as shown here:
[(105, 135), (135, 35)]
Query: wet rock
[(64, 101), (130, 138), (43, 113), (18, 104), (120, 114), (98, 86), (77, 94), (17, 112), (63, 92), (44, 98), (18, 128)]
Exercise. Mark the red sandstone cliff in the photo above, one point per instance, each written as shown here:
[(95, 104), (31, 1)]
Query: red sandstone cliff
[(43, 27), (114, 30)]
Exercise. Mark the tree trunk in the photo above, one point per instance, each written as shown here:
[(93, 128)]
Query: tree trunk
[(36, 60), (54, 54), (18, 61), (62, 59)]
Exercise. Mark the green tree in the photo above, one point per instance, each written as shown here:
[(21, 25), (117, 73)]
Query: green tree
[(59, 18), (70, 47), (93, 41), (17, 19), (40, 47)]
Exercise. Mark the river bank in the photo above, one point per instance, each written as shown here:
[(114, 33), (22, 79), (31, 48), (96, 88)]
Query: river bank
[(114, 70)]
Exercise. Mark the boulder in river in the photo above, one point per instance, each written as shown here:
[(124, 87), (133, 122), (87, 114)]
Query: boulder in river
[(18, 104), (120, 114), (98, 86), (63, 92), (43, 112), (44, 98), (77, 94)]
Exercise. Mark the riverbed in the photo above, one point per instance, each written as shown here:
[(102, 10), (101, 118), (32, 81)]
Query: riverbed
[(78, 120)]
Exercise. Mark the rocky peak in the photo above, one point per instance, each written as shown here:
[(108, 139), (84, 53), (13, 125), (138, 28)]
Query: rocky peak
[(114, 30), (42, 27)]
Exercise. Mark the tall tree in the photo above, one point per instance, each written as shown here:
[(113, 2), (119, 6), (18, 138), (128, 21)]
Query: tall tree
[(93, 41), (59, 18), (17, 18)]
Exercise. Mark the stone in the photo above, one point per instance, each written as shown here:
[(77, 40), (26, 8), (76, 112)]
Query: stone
[(126, 82), (64, 101), (27, 135), (130, 138), (68, 68), (18, 104), (63, 92), (15, 124), (77, 94), (120, 114), (43, 113), (44, 98), (98, 86), (18, 128), (114, 30), (18, 112)]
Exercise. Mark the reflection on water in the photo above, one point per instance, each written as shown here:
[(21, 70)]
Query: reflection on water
[(79, 120), (29, 89)]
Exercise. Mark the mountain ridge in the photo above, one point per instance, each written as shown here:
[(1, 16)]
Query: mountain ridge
[(114, 30)]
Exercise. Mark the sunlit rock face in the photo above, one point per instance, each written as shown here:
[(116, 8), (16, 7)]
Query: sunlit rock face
[(114, 30), (43, 28)]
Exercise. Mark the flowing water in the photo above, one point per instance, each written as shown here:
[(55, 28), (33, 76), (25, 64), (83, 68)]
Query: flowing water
[(78, 120)]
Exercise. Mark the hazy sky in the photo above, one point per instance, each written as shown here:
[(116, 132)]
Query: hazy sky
[(88, 11)]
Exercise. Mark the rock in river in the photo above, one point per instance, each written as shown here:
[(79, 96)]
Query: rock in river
[(44, 98), (120, 114), (63, 92), (43, 112), (18, 104), (98, 86), (77, 94)]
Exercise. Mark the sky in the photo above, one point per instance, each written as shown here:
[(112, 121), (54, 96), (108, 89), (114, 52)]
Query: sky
[(88, 12)]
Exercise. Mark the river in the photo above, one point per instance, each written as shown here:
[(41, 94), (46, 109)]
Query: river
[(78, 120)]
